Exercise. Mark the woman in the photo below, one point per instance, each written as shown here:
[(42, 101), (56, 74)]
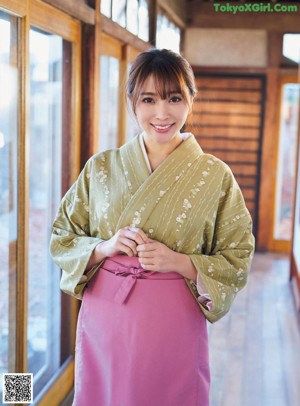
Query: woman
[(160, 232)]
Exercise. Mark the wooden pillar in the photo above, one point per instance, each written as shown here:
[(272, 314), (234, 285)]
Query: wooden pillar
[(153, 8), (269, 145), (90, 84)]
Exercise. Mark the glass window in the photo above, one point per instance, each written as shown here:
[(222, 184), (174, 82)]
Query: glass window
[(286, 161), (291, 47), (106, 7), (44, 195), (109, 100), (167, 34), (119, 12), (132, 16), (8, 188), (144, 20)]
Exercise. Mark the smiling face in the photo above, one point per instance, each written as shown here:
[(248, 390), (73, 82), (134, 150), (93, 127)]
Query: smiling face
[(160, 118)]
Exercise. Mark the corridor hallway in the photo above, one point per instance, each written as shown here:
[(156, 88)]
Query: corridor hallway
[(254, 350)]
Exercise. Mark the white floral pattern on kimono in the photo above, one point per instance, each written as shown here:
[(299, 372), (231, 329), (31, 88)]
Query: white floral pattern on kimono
[(191, 202)]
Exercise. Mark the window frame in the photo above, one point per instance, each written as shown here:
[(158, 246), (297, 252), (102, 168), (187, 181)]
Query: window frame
[(125, 53), (44, 16), (278, 245)]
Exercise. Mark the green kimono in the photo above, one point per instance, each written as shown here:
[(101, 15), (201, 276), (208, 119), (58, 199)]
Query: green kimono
[(191, 203)]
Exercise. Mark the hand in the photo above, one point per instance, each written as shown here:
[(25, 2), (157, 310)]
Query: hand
[(156, 256), (125, 241)]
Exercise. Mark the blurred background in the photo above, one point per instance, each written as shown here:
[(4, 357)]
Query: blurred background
[(63, 65)]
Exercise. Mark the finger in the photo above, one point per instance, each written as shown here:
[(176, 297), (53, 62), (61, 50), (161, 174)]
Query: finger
[(146, 247), (139, 235), (147, 261), (131, 235), (145, 254), (149, 267), (128, 246)]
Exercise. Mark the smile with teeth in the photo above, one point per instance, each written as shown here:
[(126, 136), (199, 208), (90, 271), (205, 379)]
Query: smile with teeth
[(162, 127)]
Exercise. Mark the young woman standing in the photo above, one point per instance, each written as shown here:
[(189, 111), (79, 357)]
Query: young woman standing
[(155, 238)]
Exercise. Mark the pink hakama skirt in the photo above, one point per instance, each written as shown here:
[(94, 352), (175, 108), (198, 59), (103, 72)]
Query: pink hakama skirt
[(141, 340)]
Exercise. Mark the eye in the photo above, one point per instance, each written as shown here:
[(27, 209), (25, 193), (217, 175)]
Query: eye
[(176, 99), (147, 100)]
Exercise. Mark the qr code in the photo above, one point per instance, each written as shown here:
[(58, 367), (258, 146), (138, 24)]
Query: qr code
[(17, 388)]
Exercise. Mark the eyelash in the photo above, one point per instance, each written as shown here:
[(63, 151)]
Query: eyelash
[(150, 100)]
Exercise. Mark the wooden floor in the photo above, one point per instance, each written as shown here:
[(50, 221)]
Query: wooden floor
[(255, 349)]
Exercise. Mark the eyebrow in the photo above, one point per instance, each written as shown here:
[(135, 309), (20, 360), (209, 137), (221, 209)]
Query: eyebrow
[(155, 94)]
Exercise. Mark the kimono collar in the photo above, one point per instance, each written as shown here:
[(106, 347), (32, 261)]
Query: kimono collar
[(148, 189), (184, 136)]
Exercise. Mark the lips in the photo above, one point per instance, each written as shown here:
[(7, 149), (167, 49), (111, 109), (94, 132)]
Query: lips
[(159, 127)]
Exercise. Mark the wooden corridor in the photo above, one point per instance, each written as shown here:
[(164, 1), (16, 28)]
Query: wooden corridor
[(255, 350)]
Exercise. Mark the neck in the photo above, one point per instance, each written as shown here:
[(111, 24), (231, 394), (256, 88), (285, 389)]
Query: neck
[(158, 152), (161, 149)]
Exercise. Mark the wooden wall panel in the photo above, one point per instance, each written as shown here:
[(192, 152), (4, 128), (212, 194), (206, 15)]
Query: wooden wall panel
[(244, 133), (227, 120), (246, 96), (233, 108)]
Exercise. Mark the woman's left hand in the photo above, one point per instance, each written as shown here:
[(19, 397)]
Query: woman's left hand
[(156, 256)]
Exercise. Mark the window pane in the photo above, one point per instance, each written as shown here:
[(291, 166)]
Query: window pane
[(106, 7), (132, 16), (168, 34), (8, 188), (45, 193), (144, 20), (109, 98), (119, 12), (286, 161), (291, 47)]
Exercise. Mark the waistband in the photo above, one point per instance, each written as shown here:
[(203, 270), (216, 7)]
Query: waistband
[(130, 269)]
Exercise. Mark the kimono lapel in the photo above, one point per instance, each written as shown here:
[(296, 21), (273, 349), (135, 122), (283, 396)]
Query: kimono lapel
[(152, 188), (134, 165)]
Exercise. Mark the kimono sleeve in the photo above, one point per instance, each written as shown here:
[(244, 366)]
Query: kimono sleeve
[(223, 272), (71, 245)]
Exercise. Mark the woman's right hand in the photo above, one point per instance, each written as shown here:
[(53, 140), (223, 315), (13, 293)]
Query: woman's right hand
[(124, 241)]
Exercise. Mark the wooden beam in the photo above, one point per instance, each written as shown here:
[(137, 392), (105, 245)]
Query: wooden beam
[(21, 317), (204, 15), (14, 6), (275, 40), (269, 150), (125, 37), (175, 10), (90, 91), (52, 20), (153, 8), (75, 8)]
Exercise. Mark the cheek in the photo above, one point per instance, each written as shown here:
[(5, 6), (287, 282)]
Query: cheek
[(183, 112), (142, 114)]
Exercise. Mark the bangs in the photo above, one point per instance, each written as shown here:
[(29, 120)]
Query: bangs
[(167, 84)]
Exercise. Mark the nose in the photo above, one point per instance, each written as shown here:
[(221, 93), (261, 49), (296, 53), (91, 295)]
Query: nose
[(162, 110)]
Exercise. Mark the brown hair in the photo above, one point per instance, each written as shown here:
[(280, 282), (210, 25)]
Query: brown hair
[(170, 71)]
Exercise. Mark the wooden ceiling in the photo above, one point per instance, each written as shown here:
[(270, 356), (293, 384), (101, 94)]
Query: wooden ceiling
[(202, 13)]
